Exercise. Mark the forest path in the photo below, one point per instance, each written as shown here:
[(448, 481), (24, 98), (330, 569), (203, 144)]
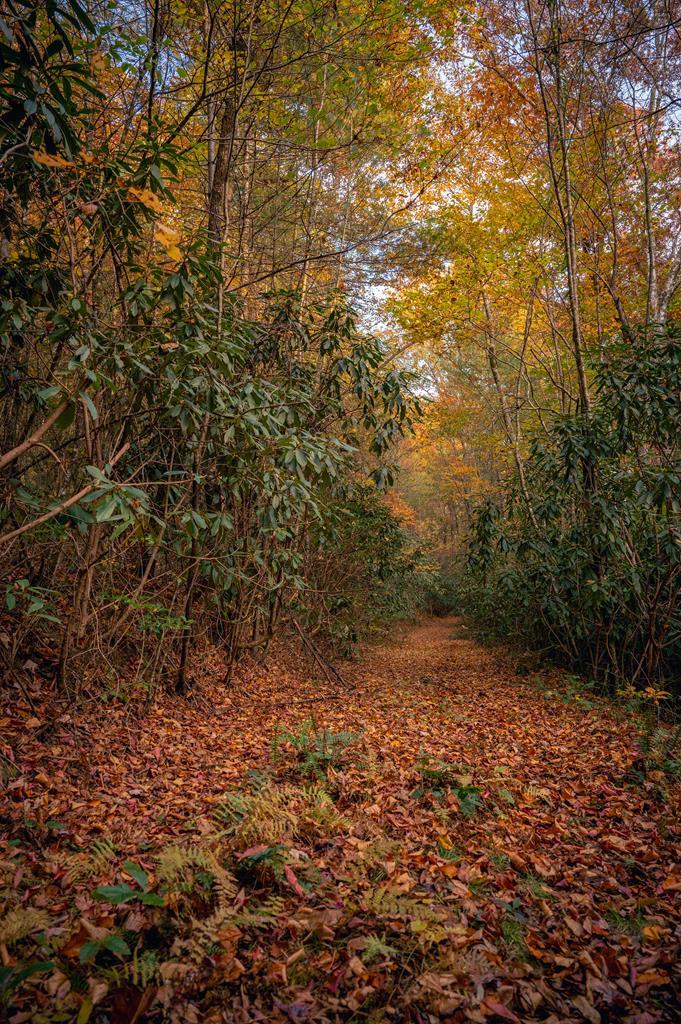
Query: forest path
[(487, 826), (426, 689)]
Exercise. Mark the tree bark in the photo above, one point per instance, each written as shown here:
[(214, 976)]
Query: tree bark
[(219, 190)]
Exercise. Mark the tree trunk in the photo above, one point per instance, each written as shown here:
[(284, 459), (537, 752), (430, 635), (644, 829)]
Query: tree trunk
[(219, 190)]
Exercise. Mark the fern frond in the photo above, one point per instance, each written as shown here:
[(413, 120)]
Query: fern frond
[(207, 933), (20, 923), (376, 949), (259, 916), (383, 903), (176, 867), (225, 885), (142, 969), (101, 856), (174, 864), (81, 867), (469, 963), (277, 812)]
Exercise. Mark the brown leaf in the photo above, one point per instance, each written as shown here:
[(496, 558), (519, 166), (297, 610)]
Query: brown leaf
[(586, 1009)]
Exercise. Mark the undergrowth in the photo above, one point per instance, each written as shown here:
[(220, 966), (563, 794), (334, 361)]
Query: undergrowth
[(167, 921)]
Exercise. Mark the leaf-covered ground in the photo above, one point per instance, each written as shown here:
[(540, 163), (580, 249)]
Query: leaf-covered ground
[(446, 841)]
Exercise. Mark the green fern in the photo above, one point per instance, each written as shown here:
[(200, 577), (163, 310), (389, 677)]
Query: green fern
[(102, 855), (317, 749), (175, 864), (140, 971), (376, 949), (225, 885), (382, 903), (232, 809), (428, 923), (208, 933), (143, 968)]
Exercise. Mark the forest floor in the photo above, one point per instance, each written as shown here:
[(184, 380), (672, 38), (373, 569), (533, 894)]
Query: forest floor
[(442, 840)]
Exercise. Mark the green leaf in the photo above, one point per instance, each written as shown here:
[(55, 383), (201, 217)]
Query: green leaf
[(89, 950), (116, 944), (107, 510), (11, 977), (89, 403), (67, 417), (151, 899), (136, 872), (116, 894)]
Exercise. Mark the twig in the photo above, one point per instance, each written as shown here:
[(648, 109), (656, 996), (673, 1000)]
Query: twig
[(325, 665), (302, 700), (58, 509)]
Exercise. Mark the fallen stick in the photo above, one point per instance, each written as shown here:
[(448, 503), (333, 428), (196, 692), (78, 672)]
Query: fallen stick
[(321, 661), (301, 700)]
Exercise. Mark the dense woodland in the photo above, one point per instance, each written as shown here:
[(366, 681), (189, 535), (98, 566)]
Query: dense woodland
[(316, 319)]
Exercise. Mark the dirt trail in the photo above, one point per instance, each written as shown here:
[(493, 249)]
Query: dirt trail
[(488, 830)]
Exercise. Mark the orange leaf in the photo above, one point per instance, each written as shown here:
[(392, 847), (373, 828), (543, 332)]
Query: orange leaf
[(652, 978), (50, 159)]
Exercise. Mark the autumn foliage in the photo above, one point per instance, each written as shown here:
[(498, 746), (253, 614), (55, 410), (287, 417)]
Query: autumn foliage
[(340, 636)]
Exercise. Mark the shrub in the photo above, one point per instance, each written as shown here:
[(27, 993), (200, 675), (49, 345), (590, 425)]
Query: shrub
[(367, 570), (591, 575)]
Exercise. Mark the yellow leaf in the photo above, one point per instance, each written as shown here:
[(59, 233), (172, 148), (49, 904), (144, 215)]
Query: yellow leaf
[(50, 159), (147, 198), (166, 235), (652, 694)]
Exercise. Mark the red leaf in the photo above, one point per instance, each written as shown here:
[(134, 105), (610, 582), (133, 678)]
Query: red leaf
[(293, 881), (500, 1010), (251, 851)]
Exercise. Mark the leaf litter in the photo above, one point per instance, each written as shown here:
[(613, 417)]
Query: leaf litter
[(445, 842)]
